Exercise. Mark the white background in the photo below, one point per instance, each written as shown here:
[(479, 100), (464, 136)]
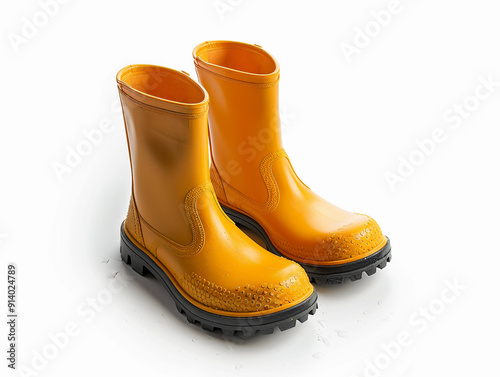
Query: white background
[(347, 125)]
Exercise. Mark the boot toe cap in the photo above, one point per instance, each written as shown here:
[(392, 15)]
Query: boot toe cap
[(276, 290), (359, 239)]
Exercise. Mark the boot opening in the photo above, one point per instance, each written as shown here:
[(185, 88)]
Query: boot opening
[(238, 56), (162, 82)]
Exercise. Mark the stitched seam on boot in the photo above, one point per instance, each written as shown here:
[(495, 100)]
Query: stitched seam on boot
[(185, 251), (216, 181), (163, 111), (260, 84), (138, 230), (270, 182), (131, 223)]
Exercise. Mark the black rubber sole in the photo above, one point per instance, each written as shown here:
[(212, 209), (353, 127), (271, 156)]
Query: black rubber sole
[(317, 273), (230, 326)]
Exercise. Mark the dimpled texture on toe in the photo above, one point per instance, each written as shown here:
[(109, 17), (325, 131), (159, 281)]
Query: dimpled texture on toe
[(364, 239), (248, 297), (359, 239)]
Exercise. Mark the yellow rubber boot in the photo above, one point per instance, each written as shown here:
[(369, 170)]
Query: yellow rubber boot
[(254, 178), (175, 228)]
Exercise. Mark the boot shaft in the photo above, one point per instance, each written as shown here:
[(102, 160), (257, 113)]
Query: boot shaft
[(244, 122), (165, 119)]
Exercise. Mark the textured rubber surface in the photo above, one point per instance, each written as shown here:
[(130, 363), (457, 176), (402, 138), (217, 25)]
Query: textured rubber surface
[(238, 326), (318, 273)]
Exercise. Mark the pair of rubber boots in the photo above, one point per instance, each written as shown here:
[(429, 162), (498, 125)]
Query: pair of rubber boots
[(181, 221)]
